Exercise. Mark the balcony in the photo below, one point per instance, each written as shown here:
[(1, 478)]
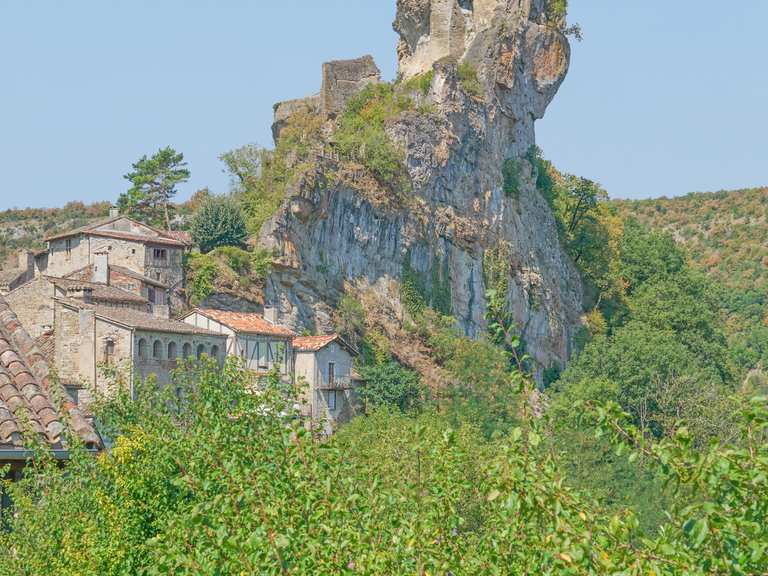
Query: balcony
[(338, 383)]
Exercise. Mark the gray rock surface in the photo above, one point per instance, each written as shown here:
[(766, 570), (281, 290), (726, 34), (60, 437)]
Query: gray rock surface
[(332, 238)]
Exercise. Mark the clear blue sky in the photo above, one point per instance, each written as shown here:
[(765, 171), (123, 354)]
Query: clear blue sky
[(663, 98)]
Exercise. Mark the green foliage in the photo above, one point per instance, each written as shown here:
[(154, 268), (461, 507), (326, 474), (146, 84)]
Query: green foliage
[(227, 267), (417, 295), (260, 177), (205, 477), (391, 385), (420, 83), (361, 134), (510, 172), (153, 184), (202, 271), (469, 80), (350, 319), (219, 222)]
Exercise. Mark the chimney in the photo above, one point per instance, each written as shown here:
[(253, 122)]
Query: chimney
[(27, 262), (100, 268), (270, 314), (81, 292), (114, 212)]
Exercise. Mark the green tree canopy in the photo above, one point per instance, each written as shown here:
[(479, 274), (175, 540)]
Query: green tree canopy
[(219, 222), (153, 185)]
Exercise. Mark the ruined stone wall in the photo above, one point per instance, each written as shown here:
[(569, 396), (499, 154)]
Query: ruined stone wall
[(342, 79)]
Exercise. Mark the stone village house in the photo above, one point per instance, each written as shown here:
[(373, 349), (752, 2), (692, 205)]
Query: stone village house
[(324, 364), (102, 296)]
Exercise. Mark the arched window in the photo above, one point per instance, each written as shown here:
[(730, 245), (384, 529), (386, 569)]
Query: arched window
[(215, 352), (172, 350), (157, 350), (186, 350), (142, 349), (200, 350)]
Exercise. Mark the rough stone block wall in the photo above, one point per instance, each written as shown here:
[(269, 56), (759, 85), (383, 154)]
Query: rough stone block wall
[(33, 304), (284, 110), (170, 273), (62, 262), (67, 338), (121, 358), (131, 255), (342, 79)]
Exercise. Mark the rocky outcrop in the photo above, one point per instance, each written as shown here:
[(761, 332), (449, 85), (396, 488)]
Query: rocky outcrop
[(457, 219)]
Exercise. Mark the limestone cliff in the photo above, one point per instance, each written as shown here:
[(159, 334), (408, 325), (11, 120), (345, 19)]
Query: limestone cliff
[(333, 234)]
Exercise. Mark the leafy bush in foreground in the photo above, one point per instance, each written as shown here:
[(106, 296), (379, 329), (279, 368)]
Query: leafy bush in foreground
[(210, 477)]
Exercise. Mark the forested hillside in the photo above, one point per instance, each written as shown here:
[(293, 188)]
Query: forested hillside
[(725, 233)]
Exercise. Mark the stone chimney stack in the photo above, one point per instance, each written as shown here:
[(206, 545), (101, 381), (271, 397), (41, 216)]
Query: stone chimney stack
[(81, 292), (271, 313), (101, 268), (114, 212), (27, 263)]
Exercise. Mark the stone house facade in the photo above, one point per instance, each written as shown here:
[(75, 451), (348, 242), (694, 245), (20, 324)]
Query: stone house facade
[(325, 364), (261, 344), (123, 244), (33, 302), (92, 338)]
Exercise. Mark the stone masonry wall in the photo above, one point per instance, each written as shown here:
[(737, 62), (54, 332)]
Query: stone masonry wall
[(33, 304)]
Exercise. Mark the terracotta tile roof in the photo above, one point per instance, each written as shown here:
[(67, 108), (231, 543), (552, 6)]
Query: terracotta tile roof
[(249, 322), (313, 343), (46, 343), (180, 235), (101, 292), (29, 398), (163, 238), (86, 273)]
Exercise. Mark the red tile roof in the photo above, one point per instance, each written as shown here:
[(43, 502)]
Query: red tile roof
[(249, 322), (29, 399), (313, 343)]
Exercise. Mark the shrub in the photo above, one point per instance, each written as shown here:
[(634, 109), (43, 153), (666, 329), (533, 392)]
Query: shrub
[(391, 385), (361, 133), (350, 319), (421, 83), (469, 80), (202, 272), (219, 222), (510, 172)]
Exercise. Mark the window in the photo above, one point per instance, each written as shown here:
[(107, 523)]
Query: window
[(68, 246), (160, 254), (73, 392), (331, 373), (186, 350), (142, 349), (172, 351), (332, 400), (109, 352), (215, 352), (200, 350), (151, 294), (157, 350), (263, 359)]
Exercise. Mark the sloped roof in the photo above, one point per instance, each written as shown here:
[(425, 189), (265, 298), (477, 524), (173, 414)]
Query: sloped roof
[(139, 320), (29, 398), (87, 273), (100, 292), (94, 229), (248, 322), (10, 275), (313, 343), (46, 343)]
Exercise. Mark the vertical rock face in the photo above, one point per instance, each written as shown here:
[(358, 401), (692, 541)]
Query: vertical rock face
[(457, 220)]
